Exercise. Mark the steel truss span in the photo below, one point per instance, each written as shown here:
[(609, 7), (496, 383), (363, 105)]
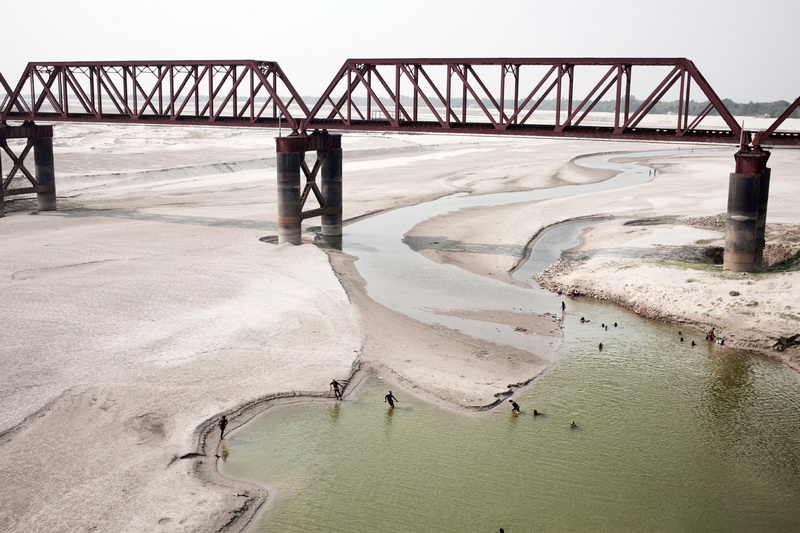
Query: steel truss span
[(230, 93), (600, 98), (520, 96)]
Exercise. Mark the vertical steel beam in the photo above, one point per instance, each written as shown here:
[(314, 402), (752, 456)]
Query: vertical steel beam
[(45, 173), (2, 189), (516, 92)]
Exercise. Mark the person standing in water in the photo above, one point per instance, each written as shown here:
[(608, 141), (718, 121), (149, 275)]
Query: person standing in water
[(336, 392), (390, 399), (514, 406)]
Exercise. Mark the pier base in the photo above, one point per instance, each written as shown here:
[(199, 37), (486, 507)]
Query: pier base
[(748, 193)]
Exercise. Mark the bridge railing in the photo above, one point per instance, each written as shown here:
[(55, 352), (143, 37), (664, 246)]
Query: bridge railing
[(232, 93), (548, 97)]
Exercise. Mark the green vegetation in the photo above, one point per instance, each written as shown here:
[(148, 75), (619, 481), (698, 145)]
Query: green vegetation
[(790, 316), (703, 267), (750, 109), (786, 266)]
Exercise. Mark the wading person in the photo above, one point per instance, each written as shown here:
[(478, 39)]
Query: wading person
[(514, 406), (223, 423), (336, 392), (390, 399)]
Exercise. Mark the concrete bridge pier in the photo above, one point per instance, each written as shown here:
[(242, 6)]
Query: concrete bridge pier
[(45, 173), (291, 153), (289, 215), (42, 179), (332, 196), (748, 194)]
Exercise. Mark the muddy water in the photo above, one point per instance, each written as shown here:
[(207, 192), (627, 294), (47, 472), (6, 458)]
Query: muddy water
[(670, 437)]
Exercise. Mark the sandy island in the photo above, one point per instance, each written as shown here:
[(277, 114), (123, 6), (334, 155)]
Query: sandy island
[(148, 305)]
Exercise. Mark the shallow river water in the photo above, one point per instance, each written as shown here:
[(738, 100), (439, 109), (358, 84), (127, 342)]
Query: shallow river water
[(670, 437)]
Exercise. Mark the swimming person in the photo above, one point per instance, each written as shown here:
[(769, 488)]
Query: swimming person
[(390, 399), (573, 425), (514, 406)]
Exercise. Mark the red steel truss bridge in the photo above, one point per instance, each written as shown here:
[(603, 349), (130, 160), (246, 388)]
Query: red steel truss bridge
[(636, 99), (553, 97)]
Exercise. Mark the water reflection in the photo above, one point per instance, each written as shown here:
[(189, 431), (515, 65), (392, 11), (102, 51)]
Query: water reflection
[(335, 411), (730, 386)]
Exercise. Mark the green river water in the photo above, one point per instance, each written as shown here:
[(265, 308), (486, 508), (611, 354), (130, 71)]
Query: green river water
[(670, 437)]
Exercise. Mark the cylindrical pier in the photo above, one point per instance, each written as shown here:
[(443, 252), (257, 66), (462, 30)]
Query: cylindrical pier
[(45, 173), (747, 211), (740, 228), (331, 189), (289, 216)]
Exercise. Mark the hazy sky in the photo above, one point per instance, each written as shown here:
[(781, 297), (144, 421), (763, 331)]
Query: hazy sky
[(747, 50)]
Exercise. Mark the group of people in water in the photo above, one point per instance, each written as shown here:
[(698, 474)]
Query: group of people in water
[(337, 389), (390, 398), (516, 410)]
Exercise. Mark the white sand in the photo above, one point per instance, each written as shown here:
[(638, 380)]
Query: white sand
[(146, 306)]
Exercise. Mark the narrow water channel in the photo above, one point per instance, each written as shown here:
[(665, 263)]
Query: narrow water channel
[(670, 437)]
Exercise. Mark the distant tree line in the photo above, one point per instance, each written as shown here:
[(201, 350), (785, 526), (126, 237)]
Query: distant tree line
[(750, 109)]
